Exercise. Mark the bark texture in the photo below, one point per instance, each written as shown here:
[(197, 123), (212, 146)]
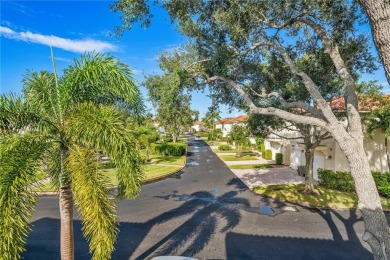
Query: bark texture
[(377, 231), (66, 213), (378, 12), (309, 154)]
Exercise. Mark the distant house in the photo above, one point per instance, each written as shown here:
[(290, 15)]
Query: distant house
[(329, 155), (159, 128), (226, 124), (198, 127)]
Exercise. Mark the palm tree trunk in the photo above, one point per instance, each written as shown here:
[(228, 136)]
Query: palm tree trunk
[(66, 213), (387, 152)]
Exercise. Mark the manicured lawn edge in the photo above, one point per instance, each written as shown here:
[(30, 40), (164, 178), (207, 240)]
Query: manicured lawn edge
[(51, 193), (276, 192)]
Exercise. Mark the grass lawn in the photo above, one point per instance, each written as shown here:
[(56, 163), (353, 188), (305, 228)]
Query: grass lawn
[(174, 160), (234, 158), (328, 198), (231, 151), (250, 166), (150, 171)]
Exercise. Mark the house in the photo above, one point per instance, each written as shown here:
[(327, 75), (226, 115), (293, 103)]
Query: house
[(226, 124), (328, 155), (198, 127), (159, 128)]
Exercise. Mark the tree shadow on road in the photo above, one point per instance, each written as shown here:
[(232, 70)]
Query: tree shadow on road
[(202, 213)]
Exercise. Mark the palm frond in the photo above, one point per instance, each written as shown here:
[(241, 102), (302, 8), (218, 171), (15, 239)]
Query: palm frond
[(91, 193), (18, 116), (39, 90), (102, 127), (20, 158), (101, 78)]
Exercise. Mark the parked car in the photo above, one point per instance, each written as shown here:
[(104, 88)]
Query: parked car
[(198, 138)]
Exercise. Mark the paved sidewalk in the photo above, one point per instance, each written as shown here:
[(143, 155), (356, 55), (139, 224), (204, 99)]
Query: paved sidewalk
[(259, 160), (273, 176)]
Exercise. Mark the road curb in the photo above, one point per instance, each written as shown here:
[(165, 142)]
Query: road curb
[(54, 193)]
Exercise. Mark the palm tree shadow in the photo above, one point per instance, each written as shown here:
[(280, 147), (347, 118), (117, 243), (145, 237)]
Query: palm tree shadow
[(203, 213), (189, 238)]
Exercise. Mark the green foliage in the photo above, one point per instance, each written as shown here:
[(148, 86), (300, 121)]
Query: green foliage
[(215, 134), (107, 165), (94, 201), (203, 134), (224, 147), (279, 158), (268, 154), (170, 149), (20, 158), (75, 117), (382, 181), (259, 143), (262, 150), (336, 180)]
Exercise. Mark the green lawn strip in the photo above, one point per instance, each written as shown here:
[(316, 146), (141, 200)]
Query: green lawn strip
[(173, 160), (327, 199), (231, 151), (234, 158), (151, 172), (250, 166)]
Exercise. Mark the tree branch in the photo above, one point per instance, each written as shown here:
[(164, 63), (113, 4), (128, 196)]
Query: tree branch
[(269, 110)]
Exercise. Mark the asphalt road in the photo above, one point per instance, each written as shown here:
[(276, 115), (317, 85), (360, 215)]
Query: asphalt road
[(207, 213)]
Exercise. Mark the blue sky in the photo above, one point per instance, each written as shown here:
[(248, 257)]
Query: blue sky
[(73, 27)]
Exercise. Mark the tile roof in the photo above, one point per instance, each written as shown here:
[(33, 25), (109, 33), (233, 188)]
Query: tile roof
[(199, 123), (238, 119), (366, 102)]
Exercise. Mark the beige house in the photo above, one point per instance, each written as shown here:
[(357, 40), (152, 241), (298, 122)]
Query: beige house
[(226, 124), (198, 127), (329, 155)]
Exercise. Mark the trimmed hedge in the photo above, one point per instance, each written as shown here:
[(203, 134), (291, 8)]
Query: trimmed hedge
[(224, 147), (336, 180), (279, 158), (170, 149), (343, 181), (268, 154), (262, 150)]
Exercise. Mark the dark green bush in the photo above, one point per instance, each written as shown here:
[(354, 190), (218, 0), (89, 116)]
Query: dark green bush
[(382, 181), (268, 154), (336, 180), (279, 158), (170, 149), (224, 147), (343, 181)]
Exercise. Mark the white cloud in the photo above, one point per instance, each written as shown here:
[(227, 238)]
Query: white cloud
[(78, 46)]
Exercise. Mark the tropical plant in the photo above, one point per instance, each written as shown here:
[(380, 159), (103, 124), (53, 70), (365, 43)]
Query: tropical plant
[(146, 135), (65, 123), (239, 135)]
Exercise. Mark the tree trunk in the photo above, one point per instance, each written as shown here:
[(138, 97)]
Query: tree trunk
[(66, 213), (147, 154), (377, 232), (387, 152), (378, 12), (174, 138), (309, 155)]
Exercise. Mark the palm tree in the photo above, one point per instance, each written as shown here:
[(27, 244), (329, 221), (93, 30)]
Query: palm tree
[(64, 123)]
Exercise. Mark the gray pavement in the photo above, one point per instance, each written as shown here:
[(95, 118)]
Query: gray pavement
[(206, 212)]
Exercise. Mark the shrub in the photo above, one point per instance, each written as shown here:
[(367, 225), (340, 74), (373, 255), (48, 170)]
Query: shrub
[(170, 149), (268, 154), (262, 150), (279, 158), (259, 143), (203, 134), (336, 180), (224, 147), (382, 181)]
